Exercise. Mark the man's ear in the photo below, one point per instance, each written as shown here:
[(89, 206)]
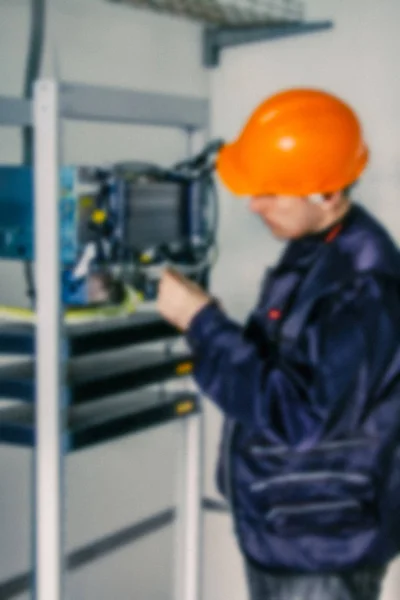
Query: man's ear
[(331, 200)]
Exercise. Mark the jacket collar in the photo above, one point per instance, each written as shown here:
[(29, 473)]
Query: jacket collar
[(356, 244), (368, 247), (362, 246)]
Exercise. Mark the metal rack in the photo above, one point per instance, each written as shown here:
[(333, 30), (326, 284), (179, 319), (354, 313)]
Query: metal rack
[(230, 23), (226, 12), (65, 402)]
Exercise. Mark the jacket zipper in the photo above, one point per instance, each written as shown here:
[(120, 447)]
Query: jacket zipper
[(326, 446), (356, 478), (288, 510), (227, 462)]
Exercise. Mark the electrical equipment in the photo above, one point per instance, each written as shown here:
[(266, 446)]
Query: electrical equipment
[(79, 189), (119, 226)]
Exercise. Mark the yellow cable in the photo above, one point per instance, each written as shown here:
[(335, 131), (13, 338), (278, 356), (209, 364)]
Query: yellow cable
[(128, 306)]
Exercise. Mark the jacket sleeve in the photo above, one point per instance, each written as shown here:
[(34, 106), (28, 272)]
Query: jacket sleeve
[(296, 397)]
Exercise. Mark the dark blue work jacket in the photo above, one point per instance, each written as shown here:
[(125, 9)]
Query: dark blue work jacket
[(310, 387)]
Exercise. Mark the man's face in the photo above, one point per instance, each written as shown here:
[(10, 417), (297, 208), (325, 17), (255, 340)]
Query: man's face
[(288, 217)]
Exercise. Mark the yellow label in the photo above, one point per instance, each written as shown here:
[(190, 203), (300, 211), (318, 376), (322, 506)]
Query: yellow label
[(184, 407), (145, 258), (99, 216), (184, 368), (86, 201)]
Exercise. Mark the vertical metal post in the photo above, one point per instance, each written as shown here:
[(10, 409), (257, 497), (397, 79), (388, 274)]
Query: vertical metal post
[(189, 513), (188, 564), (49, 455)]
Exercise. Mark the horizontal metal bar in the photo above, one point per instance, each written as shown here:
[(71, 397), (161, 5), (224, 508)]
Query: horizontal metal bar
[(19, 338), (120, 539), (106, 104), (215, 505), (102, 547), (15, 112), (101, 421), (94, 551), (136, 329), (114, 105), (128, 424), (99, 376), (16, 340), (218, 38), (223, 12), (244, 35)]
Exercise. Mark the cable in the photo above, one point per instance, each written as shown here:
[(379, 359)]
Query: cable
[(200, 160), (155, 271), (32, 70), (215, 207)]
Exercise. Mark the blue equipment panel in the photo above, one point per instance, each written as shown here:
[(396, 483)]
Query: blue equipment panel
[(17, 212), (113, 222)]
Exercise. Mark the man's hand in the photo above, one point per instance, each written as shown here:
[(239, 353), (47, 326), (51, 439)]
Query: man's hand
[(179, 299)]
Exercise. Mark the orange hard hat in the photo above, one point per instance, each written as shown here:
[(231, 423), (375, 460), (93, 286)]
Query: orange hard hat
[(298, 142)]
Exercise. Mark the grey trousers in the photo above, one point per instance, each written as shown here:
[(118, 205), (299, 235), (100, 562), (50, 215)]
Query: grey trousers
[(356, 585)]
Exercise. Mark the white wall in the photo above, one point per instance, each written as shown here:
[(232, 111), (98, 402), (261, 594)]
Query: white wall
[(115, 485), (358, 61)]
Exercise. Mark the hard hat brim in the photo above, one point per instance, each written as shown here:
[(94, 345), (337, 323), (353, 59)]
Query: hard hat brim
[(230, 171), (232, 175)]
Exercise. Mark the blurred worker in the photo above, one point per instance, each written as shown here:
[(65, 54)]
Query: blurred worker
[(310, 387)]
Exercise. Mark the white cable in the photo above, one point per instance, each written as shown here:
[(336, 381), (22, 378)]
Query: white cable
[(82, 268)]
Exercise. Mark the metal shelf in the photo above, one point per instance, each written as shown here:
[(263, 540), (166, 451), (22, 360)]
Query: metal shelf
[(224, 12), (216, 39), (113, 105), (79, 102), (98, 376), (87, 338), (77, 371), (229, 23), (102, 421), (15, 112)]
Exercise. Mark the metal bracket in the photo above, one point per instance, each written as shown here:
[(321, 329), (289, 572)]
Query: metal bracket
[(114, 105), (217, 38)]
